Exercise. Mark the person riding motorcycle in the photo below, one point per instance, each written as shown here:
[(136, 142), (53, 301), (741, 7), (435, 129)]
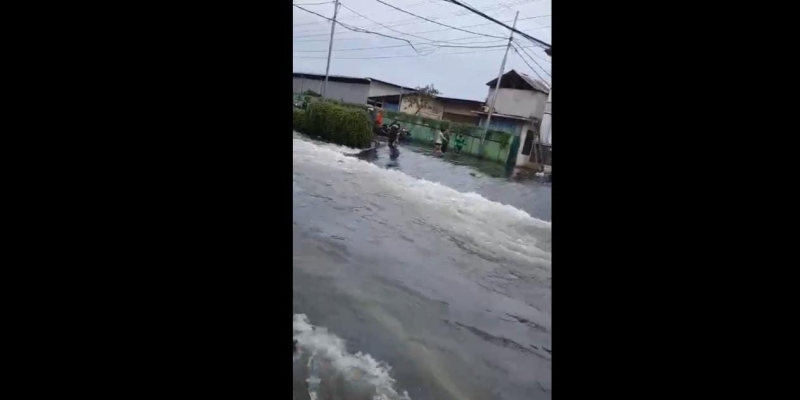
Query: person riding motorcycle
[(394, 131)]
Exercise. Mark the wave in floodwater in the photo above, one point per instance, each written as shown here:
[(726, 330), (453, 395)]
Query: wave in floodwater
[(334, 373), (468, 218)]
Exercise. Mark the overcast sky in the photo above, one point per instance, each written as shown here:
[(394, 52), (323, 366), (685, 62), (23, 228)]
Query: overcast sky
[(461, 75)]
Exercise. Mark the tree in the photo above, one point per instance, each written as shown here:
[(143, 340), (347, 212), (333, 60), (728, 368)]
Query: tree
[(421, 97), (312, 93)]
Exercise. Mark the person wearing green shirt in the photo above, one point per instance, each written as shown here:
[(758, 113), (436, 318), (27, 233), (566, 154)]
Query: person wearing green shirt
[(459, 142)]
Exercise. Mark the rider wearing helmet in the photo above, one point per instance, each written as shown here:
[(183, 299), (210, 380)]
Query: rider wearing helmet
[(394, 131)]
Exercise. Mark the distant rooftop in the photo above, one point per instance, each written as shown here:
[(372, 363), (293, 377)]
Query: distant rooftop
[(344, 78), (456, 100), (354, 79), (518, 80), (332, 78)]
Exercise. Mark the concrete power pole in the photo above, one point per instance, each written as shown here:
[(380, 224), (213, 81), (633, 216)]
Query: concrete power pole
[(330, 48), (497, 86), (400, 101), (546, 120)]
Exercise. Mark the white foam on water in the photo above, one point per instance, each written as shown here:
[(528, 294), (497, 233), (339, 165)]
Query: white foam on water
[(331, 146), (475, 221), (330, 361), (313, 378)]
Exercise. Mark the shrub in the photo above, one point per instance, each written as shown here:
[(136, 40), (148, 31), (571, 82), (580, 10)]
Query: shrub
[(342, 125), (298, 117)]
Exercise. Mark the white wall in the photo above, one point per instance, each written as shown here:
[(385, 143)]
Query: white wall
[(547, 130), (521, 103), (523, 160), (342, 91)]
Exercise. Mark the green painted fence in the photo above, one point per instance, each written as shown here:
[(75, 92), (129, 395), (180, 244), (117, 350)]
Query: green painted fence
[(496, 147)]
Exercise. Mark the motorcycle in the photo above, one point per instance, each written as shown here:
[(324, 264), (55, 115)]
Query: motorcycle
[(405, 136)]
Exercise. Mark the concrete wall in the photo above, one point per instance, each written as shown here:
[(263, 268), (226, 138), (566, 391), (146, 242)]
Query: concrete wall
[(527, 160), (522, 103), (346, 92), (547, 130), (523, 160), (511, 126)]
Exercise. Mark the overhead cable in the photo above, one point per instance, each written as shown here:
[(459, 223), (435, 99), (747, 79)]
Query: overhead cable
[(534, 61), (529, 66), (523, 34), (437, 23), (356, 29)]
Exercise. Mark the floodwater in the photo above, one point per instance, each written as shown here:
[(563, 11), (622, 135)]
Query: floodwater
[(418, 278)]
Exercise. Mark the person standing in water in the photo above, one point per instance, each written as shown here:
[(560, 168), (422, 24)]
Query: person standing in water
[(440, 143), (459, 142), (394, 131)]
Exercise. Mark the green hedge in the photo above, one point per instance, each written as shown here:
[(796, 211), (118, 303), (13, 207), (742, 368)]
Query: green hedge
[(339, 124), (298, 117)]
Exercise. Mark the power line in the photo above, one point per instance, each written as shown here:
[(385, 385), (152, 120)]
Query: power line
[(437, 23), (537, 64), (501, 5), (404, 56), (408, 6), (351, 49), (356, 29), (399, 45), (314, 4), (534, 54), (407, 21), (391, 29), (439, 41), (494, 48), (523, 34), (529, 66), (445, 29), (430, 41)]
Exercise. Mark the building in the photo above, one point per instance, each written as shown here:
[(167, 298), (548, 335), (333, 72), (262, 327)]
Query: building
[(349, 89), (518, 109), (386, 95), (461, 110), (346, 89), (444, 108)]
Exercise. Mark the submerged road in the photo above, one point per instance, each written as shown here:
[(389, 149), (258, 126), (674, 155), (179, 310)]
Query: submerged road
[(417, 277)]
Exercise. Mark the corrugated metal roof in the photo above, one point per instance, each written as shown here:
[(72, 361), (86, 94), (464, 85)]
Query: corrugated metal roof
[(335, 78), (456, 100), (390, 83), (538, 85), (348, 78), (533, 83)]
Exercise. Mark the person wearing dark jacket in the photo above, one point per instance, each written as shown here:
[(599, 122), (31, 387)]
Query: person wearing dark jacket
[(394, 131)]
